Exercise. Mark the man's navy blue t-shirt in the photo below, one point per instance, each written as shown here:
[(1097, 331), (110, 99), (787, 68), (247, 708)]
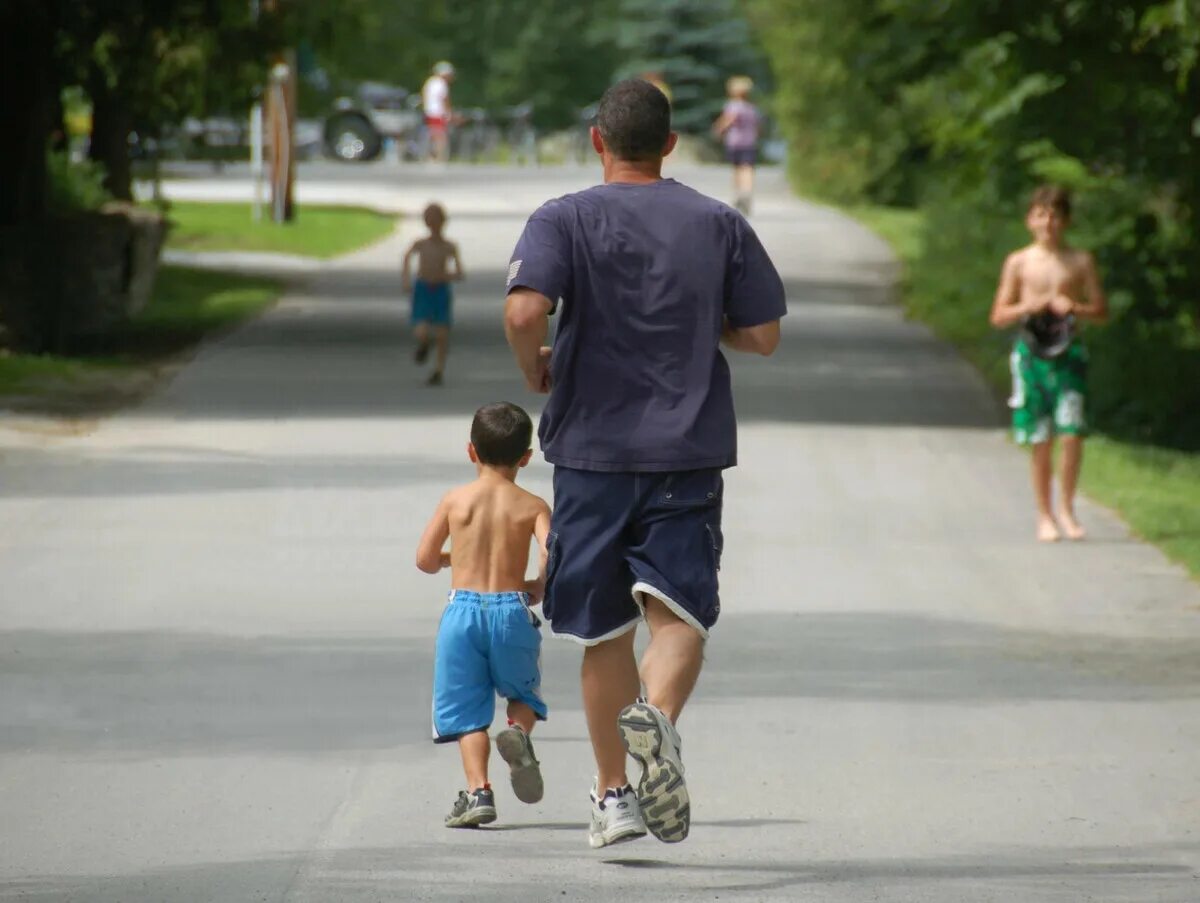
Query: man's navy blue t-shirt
[(646, 275)]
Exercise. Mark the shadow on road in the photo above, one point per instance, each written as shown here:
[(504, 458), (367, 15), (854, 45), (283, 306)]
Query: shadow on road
[(130, 695), (1129, 874)]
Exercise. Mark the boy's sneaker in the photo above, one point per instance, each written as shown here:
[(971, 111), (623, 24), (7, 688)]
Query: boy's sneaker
[(516, 749), (652, 740), (472, 809), (435, 379), (616, 817), (421, 352)]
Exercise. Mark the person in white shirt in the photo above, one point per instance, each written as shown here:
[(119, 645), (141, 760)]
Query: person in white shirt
[(435, 100)]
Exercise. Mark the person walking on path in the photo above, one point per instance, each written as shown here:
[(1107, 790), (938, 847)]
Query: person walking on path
[(738, 127), (488, 640), (1046, 288), (652, 277), (432, 298), (435, 103)]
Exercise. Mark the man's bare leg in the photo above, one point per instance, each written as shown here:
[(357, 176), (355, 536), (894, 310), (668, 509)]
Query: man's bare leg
[(672, 661), (609, 676), (475, 748), (1068, 480), (1042, 470)]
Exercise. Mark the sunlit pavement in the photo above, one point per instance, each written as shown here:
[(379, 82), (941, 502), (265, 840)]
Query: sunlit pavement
[(215, 662)]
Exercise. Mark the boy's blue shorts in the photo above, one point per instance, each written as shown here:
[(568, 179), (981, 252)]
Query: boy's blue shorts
[(487, 643), (431, 303), (618, 537)]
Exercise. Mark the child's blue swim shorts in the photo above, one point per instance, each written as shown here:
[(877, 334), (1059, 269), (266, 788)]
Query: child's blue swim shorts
[(487, 644), (431, 303)]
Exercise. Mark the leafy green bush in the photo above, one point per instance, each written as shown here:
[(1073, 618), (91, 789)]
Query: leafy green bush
[(75, 187)]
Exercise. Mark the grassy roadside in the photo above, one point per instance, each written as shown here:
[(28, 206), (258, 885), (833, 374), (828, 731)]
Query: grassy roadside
[(1156, 490), (316, 232), (188, 304)]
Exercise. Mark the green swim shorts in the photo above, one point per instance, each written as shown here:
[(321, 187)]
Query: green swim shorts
[(1048, 395)]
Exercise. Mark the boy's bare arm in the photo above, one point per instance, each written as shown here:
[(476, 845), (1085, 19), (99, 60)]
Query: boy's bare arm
[(1095, 309), (459, 272), (430, 557), (541, 531), (405, 266), (1007, 307)]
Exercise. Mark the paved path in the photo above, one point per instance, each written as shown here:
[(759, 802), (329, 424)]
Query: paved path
[(215, 651)]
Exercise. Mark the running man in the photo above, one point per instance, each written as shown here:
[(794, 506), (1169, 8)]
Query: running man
[(435, 102), (652, 277)]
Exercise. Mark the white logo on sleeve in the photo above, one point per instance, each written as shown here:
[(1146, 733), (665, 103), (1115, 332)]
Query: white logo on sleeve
[(513, 269)]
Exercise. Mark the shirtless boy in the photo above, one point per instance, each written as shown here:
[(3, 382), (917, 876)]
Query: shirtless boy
[(431, 296), (488, 640), (1047, 289)]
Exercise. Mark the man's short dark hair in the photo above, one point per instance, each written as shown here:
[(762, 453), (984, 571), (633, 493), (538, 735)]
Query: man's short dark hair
[(501, 434), (634, 120), (1052, 196)]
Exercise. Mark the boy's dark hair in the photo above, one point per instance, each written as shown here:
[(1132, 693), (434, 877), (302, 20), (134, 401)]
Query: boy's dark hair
[(1052, 196), (501, 434), (634, 119)]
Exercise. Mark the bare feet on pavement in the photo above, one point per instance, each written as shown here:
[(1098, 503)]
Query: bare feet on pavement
[(1047, 530), (1071, 526)]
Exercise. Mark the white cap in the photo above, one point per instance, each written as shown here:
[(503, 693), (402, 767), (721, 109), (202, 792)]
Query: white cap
[(443, 68)]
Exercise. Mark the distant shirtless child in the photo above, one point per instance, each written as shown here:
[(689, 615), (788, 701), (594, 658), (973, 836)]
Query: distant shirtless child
[(488, 641), (1046, 289), (431, 295)]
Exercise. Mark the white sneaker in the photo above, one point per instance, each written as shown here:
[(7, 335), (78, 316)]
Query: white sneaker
[(616, 817), (651, 738)]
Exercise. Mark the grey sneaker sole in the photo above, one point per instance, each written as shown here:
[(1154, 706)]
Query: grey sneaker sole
[(526, 775), (661, 792), (473, 818)]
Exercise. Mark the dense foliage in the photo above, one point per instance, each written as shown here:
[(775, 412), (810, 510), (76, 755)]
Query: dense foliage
[(963, 105)]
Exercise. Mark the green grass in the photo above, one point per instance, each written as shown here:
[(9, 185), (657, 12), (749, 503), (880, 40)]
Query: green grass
[(316, 231), (1156, 490), (188, 305)]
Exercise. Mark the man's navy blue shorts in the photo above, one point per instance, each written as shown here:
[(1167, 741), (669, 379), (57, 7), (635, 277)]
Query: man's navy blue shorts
[(617, 536)]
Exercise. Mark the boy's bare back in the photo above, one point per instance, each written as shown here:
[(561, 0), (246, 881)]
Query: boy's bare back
[(489, 523)]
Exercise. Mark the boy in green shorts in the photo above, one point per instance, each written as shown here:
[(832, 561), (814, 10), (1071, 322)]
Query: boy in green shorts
[(1046, 289)]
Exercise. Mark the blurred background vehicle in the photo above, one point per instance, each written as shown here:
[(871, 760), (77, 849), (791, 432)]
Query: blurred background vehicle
[(363, 121)]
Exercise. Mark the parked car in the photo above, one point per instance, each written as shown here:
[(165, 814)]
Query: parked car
[(360, 122)]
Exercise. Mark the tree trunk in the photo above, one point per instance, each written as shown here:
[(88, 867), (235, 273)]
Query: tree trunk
[(27, 72), (110, 135)]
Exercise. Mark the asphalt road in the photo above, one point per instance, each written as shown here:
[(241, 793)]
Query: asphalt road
[(215, 652)]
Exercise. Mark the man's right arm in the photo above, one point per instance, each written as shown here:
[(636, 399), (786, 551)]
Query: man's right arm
[(526, 324)]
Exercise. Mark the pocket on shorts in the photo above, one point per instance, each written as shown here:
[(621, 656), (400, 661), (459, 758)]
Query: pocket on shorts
[(519, 630), (716, 541), (692, 489)]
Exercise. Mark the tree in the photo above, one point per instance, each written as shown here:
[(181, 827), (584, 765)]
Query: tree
[(694, 45)]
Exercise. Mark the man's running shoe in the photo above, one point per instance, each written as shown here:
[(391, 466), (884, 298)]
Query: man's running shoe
[(616, 817), (516, 749), (472, 809), (652, 740)]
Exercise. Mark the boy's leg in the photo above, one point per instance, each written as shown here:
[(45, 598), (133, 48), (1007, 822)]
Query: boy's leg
[(1068, 479), (1041, 471), (475, 748), (441, 335), (421, 335), (609, 676), (520, 714)]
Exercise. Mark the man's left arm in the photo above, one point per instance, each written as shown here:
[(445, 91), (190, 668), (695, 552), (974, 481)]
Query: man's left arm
[(755, 300)]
